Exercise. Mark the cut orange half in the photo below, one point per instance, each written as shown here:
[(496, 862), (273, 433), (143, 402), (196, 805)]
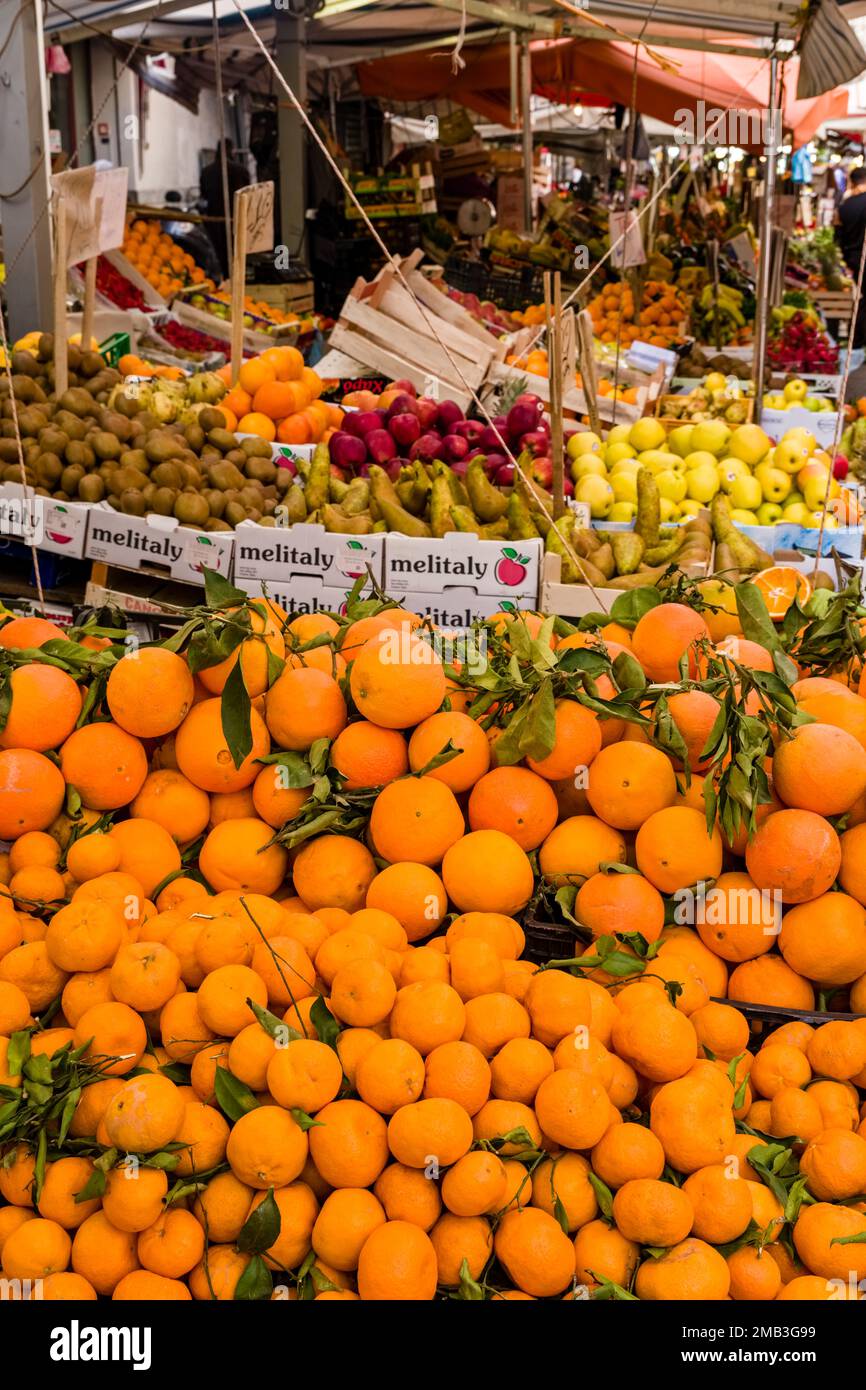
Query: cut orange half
[(781, 585)]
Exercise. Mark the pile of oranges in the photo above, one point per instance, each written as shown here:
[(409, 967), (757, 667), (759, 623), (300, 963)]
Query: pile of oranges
[(277, 397), (157, 256), (131, 364), (320, 1065), (659, 321)]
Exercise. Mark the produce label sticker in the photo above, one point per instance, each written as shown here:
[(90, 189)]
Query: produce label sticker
[(630, 250)]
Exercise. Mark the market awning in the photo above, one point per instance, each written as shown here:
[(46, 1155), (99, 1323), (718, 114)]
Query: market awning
[(597, 73)]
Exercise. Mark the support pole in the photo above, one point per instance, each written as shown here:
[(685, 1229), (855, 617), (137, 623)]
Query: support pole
[(24, 168), (291, 58), (763, 285), (526, 116)]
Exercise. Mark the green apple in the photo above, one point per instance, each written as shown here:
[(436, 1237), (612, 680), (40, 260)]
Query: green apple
[(795, 496), (647, 433), (624, 487), (715, 381), (671, 484), (790, 455), (617, 451), (690, 506), (618, 434), (800, 432), (769, 513), (749, 443), (586, 464), (812, 403), (668, 510), (583, 442), (794, 513), (630, 466), (812, 519), (775, 484), (729, 470), (679, 441), (746, 494), (774, 401), (712, 436), (795, 391), (703, 482), (596, 492), (815, 490), (700, 458), (743, 517), (622, 511), (657, 459)]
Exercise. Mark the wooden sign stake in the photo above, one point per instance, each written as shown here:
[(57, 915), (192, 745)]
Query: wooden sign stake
[(61, 356), (89, 292), (239, 272), (554, 335), (586, 355)]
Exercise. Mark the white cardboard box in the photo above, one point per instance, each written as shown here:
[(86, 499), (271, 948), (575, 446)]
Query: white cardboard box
[(58, 527), (282, 554), (502, 570), (158, 542), (302, 594), (456, 609), (848, 540), (820, 423)]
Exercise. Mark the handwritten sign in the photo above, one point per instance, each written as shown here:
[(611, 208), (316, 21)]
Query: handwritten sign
[(628, 248), (258, 204), (95, 210)]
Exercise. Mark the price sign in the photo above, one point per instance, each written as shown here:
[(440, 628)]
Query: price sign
[(628, 249), (258, 202), (95, 210)]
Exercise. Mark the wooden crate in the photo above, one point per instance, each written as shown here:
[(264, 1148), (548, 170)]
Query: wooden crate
[(291, 297), (576, 600), (572, 398), (669, 423), (383, 325)]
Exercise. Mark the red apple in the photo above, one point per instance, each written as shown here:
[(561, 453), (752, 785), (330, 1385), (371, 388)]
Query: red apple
[(447, 416), (347, 450), (405, 428), (504, 475), (427, 448), (426, 409), (470, 430), (542, 471), (401, 405), (404, 385), (536, 441), (380, 446), (455, 447)]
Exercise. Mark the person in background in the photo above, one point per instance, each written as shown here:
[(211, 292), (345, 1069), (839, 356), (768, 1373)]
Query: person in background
[(850, 235), (211, 195)]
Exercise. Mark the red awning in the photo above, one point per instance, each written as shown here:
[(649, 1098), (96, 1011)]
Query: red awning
[(593, 72)]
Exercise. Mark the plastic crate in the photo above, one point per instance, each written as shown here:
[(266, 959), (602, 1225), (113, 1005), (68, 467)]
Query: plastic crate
[(546, 941), (115, 347)]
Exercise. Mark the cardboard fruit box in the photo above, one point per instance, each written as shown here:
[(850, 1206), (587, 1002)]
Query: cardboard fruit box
[(157, 543)]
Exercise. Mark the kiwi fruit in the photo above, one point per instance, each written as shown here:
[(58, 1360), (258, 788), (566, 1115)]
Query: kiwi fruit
[(215, 523), (27, 389), (52, 440), (192, 477), (45, 347), (125, 480), (237, 457), (127, 405), (106, 446), (134, 458), (256, 448), (73, 356), (211, 419), (91, 488), (225, 475), (216, 501), (49, 469), (31, 421), (161, 447), (163, 501), (221, 439), (267, 520), (70, 424), (8, 451), (194, 436), (210, 455), (191, 509), (77, 452), (132, 502), (167, 475), (261, 470), (70, 478), (25, 364), (91, 363), (77, 402), (234, 513), (114, 423)]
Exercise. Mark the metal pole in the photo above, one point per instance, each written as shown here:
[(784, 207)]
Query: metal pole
[(763, 283), (526, 113), (24, 168), (291, 56)]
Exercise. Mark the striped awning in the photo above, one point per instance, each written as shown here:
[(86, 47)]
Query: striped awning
[(830, 52)]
